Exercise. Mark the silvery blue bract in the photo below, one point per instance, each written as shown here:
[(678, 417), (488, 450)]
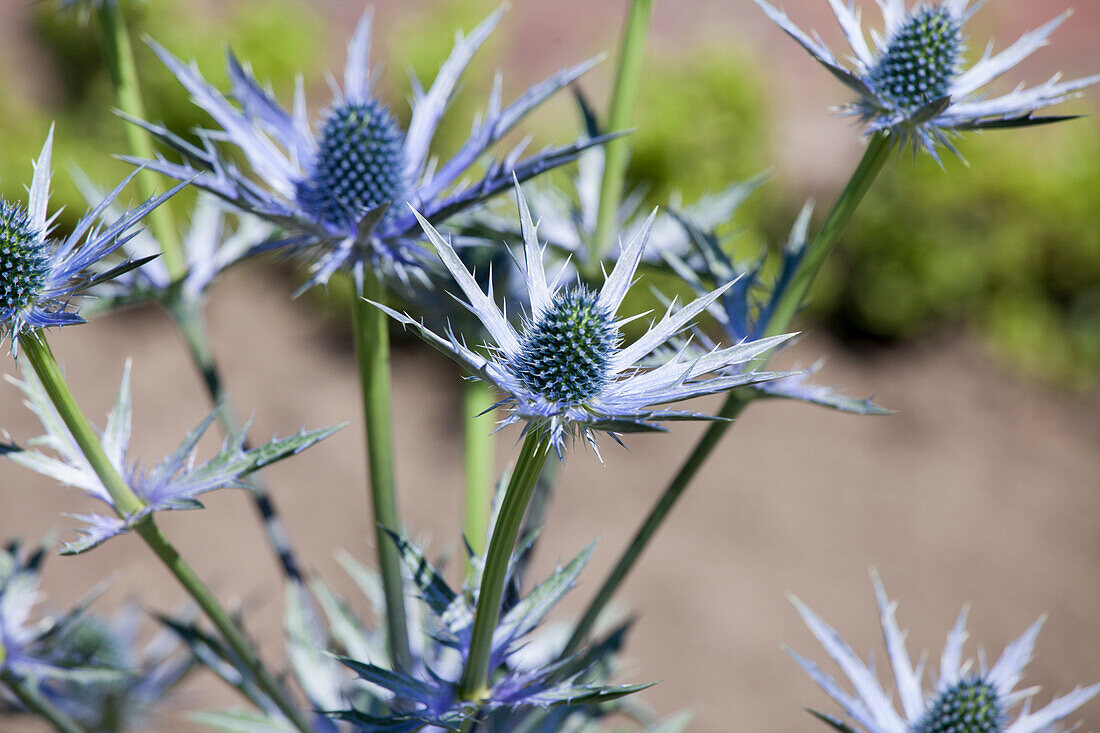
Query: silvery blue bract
[(39, 275), (343, 187), (963, 699), (911, 82), (565, 372), (170, 485)]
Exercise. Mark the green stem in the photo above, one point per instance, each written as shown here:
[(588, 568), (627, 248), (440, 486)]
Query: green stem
[(35, 703), (532, 457), (120, 62), (619, 116), (790, 300), (127, 504), (477, 397), (192, 326), (372, 351), (874, 158)]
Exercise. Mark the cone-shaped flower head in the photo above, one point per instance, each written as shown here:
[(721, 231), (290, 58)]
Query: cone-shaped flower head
[(341, 188), (39, 275), (912, 82), (963, 700), (565, 370)]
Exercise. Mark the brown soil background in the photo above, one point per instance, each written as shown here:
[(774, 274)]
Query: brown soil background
[(983, 489)]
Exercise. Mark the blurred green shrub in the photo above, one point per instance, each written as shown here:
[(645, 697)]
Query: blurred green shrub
[(1009, 246)]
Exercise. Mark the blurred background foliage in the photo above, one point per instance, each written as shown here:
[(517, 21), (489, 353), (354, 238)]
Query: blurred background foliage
[(1008, 247)]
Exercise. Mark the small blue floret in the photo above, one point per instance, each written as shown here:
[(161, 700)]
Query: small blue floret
[(23, 258), (565, 354), (921, 60), (968, 706), (359, 165)]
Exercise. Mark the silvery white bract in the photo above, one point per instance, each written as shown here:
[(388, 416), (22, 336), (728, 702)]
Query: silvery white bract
[(343, 188), (216, 239), (565, 371), (743, 311), (963, 699), (170, 485), (911, 82), (39, 275)]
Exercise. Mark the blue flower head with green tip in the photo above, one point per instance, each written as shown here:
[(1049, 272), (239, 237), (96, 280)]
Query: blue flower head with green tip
[(963, 700), (340, 190), (40, 275), (565, 372), (912, 82)]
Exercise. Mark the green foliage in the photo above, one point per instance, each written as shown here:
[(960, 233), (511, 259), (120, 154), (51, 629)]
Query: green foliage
[(1009, 245)]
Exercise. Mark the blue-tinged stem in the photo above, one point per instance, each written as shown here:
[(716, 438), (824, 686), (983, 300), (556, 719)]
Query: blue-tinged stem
[(120, 62), (372, 351), (477, 397), (35, 349), (532, 457), (35, 703), (781, 316), (615, 152), (192, 326)]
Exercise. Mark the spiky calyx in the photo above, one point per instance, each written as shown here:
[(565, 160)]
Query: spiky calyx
[(23, 259), (359, 165), (566, 353), (968, 706), (920, 61)]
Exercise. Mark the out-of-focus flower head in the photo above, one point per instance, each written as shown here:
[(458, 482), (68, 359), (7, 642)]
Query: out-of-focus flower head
[(342, 189), (565, 371), (963, 699), (172, 484), (217, 239), (912, 82), (40, 275), (743, 311)]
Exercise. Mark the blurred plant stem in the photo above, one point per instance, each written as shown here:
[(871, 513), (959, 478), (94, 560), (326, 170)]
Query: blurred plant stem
[(192, 325), (874, 159), (120, 61), (521, 484), (619, 116), (372, 352), (127, 504), (36, 704), (477, 399)]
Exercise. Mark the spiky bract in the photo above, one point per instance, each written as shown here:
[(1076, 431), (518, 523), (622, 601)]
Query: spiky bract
[(40, 275)]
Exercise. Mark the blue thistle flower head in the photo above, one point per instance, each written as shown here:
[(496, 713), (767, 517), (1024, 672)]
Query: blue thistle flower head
[(962, 700), (912, 82), (340, 190), (564, 371), (172, 484), (39, 275)]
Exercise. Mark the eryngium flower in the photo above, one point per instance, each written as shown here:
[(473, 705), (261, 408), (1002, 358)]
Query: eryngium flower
[(334, 188), (172, 484), (963, 699), (566, 372), (912, 82), (40, 275)]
